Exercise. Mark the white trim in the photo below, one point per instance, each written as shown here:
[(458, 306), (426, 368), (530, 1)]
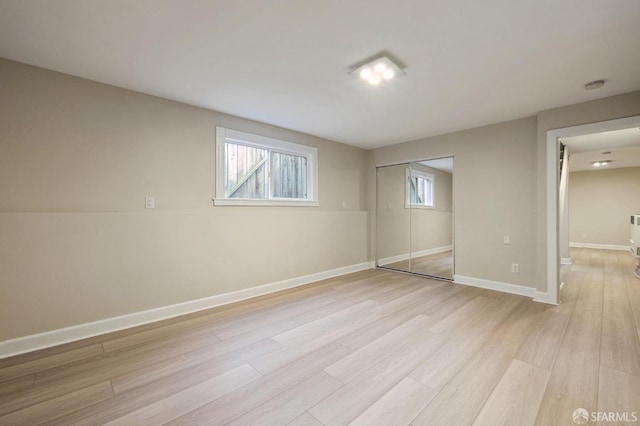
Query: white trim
[(543, 297), (600, 246), (273, 145), (264, 203), (406, 256), (565, 261), (553, 269), (495, 285), (47, 339)]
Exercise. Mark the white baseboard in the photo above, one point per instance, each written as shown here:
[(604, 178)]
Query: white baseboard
[(543, 297), (520, 290), (406, 256), (600, 246), (34, 342), (495, 285)]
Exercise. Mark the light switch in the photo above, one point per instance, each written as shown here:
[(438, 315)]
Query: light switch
[(507, 239), (150, 202)]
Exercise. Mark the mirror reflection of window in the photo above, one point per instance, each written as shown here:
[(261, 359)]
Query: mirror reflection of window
[(419, 188)]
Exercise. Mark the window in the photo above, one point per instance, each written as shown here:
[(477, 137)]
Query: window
[(419, 189), (256, 170)]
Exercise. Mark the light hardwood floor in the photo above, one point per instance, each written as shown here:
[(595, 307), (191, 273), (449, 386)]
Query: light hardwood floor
[(374, 347)]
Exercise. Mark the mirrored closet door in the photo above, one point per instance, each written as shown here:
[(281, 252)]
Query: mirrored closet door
[(415, 217)]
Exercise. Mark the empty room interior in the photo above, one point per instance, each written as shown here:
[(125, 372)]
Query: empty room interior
[(319, 212)]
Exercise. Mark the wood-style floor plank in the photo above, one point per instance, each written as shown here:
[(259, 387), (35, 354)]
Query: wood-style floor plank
[(344, 405), (290, 404), (311, 336), (543, 341), (364, 358), (305, 420), (619, 392), (52, 361), (398, 406), (439, 368), (16, 385), (56, 407), (244, 399), (181, 403), (516, 398)]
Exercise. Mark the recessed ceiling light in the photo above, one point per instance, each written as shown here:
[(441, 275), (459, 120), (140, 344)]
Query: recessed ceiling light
[(377, 70), (600, 163), (592, 85)]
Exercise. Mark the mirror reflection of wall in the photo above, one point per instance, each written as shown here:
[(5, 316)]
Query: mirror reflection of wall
[(393, 218), (432, 218), (415, 217)]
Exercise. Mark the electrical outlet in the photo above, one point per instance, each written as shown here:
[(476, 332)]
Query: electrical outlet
[(149, 202), (515, 268), (507, 240)]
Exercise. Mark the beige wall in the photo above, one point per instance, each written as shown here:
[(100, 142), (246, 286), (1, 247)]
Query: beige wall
[(626, 105), (494, 195), (432, 228), (600, 203), (76, 244)]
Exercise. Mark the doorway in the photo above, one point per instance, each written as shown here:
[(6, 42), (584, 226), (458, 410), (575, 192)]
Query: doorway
[(557, 231), (414, 212)]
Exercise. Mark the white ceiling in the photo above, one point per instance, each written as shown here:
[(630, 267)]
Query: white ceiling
[(603, 141), (623, 147), (468, 63)]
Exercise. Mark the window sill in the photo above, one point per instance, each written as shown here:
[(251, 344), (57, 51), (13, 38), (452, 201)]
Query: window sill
[(264, 203), (418, 206)]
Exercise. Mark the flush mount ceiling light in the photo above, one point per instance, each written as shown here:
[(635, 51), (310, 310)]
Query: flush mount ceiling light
[(378, 70), (592, 85), (600, 163)]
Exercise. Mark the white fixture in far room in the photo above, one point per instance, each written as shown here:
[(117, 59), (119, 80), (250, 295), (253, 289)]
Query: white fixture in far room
[(378, 70)]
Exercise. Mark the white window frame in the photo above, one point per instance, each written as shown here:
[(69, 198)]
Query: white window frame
[(409, 173), (272, 145)]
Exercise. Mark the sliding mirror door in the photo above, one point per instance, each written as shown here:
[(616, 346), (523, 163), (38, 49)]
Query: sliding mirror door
[(393, 219), (429, 195)]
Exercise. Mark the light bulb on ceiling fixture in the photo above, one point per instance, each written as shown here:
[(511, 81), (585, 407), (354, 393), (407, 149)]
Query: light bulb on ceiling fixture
[(380, 68), (366, 73), (388, 74), (374, 79)]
